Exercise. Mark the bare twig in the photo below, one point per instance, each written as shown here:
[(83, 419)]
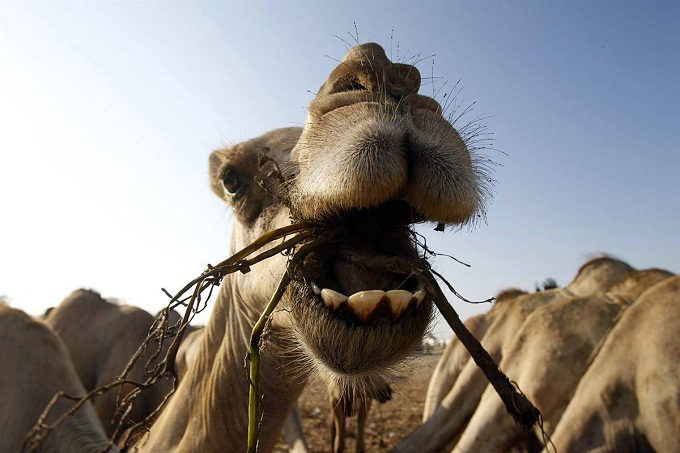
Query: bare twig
[(521, 409), (253, 356)]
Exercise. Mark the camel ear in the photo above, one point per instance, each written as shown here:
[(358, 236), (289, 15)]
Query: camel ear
[(215, 164)]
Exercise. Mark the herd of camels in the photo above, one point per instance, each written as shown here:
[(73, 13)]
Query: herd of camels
[(599, 358)]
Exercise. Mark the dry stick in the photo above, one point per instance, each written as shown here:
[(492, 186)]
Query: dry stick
[(253, 356), (521, 409), (236, 262)]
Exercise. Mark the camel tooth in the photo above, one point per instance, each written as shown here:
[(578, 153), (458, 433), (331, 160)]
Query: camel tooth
[(315, 288), (399, 300), (419, 295), (363, 303), (332, 299)]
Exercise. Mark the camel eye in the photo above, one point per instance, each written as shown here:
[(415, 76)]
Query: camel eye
[(234, 183)]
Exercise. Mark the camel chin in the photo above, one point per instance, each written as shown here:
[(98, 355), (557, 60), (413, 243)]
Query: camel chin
[(355, 321)]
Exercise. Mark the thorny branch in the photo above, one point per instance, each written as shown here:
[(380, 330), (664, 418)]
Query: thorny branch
[(160, 331)]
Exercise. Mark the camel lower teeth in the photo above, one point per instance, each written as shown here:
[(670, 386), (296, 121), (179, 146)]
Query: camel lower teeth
[(399, 300), (364, 303), (419, 295), (332, 299)]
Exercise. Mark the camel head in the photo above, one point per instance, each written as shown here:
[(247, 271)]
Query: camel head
[(374, 158)]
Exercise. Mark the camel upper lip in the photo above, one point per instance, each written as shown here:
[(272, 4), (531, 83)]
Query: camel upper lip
[(335, 101)]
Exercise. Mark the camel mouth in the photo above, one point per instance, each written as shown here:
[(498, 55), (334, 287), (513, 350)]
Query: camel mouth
[(352, 278), (356, 304), (368, 304), (363, 329)]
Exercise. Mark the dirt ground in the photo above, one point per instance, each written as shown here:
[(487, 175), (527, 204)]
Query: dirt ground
[(387, 423)]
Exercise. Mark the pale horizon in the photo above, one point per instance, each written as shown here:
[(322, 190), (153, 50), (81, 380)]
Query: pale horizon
[(110, 111)]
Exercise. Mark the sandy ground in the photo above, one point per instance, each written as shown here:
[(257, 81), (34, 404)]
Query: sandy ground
[(387, 423)]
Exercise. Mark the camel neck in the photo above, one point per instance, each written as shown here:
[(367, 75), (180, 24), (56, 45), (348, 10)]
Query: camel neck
[(209, 410)]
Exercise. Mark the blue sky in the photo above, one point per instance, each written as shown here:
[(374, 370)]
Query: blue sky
[(111, 109)]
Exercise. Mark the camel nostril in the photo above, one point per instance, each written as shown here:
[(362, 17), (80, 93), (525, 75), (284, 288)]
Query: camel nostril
[(404, 78), (356, 85)]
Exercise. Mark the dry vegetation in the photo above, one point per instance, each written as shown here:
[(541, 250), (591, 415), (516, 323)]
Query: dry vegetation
[(388, 423)]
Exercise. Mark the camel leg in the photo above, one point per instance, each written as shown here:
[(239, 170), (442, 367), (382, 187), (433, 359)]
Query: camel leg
[(292, 431), (364, 407), (337, 426)]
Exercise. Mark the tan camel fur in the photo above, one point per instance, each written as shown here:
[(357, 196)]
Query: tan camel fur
[(186, 355), (546, 359), (101, 338), (442, 430), (188, 350), (629, 398), (35, 366)]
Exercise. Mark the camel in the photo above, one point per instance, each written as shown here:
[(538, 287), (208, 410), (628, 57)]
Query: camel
[(34, 366), (547, 358), (628, 399), (188, 349), (443, 429), (101, 338), (373, 158)]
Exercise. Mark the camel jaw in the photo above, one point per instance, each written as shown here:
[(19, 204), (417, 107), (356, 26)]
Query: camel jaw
[(364, 292), (352, 313)]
